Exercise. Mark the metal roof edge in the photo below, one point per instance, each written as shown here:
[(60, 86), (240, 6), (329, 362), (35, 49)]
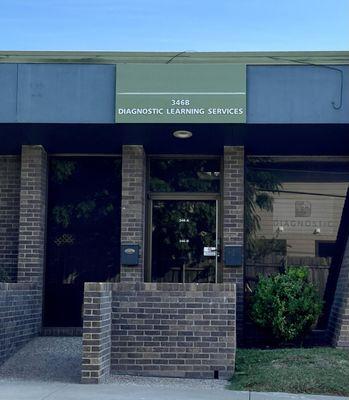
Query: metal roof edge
[(109, 57)]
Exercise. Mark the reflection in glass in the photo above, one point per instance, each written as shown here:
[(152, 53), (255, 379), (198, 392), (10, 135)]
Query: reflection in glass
[(184, 175), (184, 241)]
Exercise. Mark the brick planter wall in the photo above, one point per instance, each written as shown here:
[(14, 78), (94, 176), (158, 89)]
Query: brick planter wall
[(159, 329), (20, 316)]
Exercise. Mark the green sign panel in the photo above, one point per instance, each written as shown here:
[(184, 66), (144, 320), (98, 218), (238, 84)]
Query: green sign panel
[(190, 93)]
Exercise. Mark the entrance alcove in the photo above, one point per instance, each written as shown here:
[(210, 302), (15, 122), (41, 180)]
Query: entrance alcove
[(83, 235)]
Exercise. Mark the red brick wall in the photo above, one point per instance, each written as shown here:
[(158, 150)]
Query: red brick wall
[(133, 208), (159, 329), (96, 333), (32, 215), (233, 221)]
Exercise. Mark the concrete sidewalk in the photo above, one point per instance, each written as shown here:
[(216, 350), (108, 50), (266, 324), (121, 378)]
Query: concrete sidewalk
[(48, 368), (131, 389)]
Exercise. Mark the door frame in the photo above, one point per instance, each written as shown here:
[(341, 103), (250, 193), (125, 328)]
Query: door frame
[(177, 196)]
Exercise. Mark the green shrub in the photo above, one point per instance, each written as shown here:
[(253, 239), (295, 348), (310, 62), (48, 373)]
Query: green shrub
[(286, 304)]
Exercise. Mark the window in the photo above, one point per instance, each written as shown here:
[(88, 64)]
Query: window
[(325, 249), (184, 175)]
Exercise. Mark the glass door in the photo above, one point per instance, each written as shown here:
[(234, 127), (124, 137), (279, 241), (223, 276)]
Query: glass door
[(184, 240)]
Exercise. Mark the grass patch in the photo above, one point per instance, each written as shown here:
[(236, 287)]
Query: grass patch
[(321, 370)]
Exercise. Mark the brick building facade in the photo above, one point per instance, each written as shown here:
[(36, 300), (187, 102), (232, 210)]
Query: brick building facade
[(144, 313)]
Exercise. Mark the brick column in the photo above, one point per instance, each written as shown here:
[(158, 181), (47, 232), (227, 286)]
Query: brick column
[(339, 318), (32, 215), (233, 222), (96, 342), (133, 208), (10, 171)]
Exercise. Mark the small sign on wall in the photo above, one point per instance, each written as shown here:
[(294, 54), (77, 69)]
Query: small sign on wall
[(209, 251)]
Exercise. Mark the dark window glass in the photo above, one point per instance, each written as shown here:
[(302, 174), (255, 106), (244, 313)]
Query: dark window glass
[(302, 205), (326, 249), (83, 240), (184, 175), (184, 240)]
